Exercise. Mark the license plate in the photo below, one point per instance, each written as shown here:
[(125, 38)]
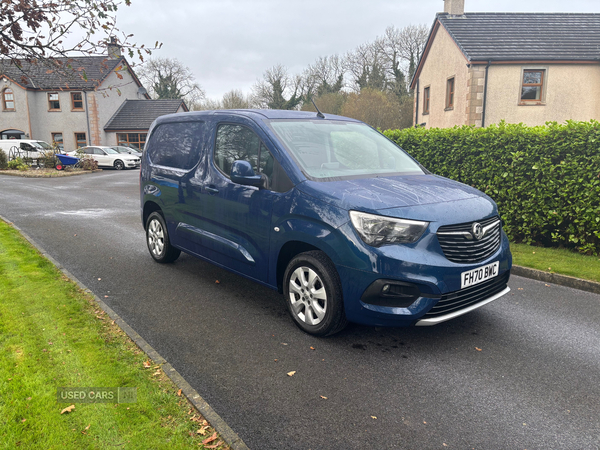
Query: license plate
[(479, 275)]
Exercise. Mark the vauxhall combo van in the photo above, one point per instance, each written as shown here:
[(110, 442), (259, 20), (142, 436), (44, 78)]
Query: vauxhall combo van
[(325, 209)]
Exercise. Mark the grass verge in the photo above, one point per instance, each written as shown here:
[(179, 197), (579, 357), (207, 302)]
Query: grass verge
[(52, 334), (557, 260)]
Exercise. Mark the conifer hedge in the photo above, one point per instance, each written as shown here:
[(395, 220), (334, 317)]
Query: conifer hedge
[(545, 179)]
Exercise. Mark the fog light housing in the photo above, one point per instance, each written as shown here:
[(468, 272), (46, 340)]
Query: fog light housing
[(391, 293)]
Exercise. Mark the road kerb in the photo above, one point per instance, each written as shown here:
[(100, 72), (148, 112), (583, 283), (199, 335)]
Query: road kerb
[(562, 280)]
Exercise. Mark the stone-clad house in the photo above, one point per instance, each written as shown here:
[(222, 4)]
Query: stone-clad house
[(73, 110), (481, 68)]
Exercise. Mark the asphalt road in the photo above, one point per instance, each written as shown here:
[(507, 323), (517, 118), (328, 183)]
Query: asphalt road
[(520, 373)]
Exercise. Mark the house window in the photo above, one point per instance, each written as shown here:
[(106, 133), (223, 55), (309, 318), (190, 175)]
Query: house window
[(426, 100), (8, 100), (80, 140), (136, 140), (57, 138), (76, 101), (450, 93), (532, 86), (53, 102)]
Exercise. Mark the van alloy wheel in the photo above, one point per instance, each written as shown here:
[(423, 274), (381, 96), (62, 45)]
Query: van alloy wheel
[(307, 296), (314, 294), (158, 240)]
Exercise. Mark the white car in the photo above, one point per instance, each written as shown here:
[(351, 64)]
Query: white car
[(107, 157)]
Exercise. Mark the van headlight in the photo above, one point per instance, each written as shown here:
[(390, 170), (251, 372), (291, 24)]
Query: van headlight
[(380, 230)]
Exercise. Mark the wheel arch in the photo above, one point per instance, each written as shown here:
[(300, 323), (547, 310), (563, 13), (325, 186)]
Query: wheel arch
[(289, 251), (149, 208)]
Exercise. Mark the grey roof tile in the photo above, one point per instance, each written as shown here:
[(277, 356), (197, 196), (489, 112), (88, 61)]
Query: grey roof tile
[(41, 76), (139, 114), (525, 36)]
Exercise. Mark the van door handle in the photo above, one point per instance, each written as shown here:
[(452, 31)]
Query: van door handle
[(211, 190)]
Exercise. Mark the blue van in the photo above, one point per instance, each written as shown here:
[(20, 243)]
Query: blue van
[(326, 210)]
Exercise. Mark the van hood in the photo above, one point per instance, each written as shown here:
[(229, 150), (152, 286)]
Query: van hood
[(377, 194)]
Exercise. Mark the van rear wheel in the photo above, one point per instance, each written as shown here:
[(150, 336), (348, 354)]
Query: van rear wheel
[(158, 240), (314, 294)]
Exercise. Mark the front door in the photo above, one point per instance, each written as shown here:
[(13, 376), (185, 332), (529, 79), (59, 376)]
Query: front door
[(236, 219)]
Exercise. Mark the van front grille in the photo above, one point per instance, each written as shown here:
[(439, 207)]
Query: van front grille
[(460, 244)]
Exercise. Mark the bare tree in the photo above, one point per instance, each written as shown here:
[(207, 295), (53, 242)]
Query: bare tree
[(206, 104), (235, 99), (169, 78), (402, 48), (324, 76), (40, 32), (271, 91)]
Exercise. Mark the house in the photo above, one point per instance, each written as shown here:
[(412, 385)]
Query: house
[(73, 107), (481, 68), (130, 123)]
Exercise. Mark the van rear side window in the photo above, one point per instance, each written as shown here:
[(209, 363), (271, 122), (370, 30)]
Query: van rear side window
[(176, 144)]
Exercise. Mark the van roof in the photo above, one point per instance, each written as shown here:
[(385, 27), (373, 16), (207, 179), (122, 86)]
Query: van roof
[(253, 113)]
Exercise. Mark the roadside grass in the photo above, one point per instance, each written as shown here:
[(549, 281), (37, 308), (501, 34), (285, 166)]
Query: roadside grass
[(557, 260), (52, 334)]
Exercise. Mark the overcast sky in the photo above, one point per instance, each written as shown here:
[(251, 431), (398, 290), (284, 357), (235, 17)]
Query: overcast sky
[(228, 44)]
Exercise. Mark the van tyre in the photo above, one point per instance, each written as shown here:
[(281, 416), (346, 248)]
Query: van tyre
[(119, 164), (313, 294), (158, 240)]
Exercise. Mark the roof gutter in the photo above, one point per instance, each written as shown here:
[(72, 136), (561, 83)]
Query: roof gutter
[(87, 119), (485, 94), (417, 104)]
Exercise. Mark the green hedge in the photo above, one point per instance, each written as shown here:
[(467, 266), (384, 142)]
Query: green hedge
[(545, 180)]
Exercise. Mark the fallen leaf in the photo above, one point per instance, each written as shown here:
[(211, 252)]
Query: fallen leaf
[(49, 343), (23, 420), (549, 268), (323, 397), (156, 373), (284, 343), (425, 422), (534, 253), (312, 348), (210, 439), (291, 374), (218, 444), (68, 409), (478, 349), (548, 285), (373, 417), (202, 431), (217, 282), (179, 393), (88, 427)]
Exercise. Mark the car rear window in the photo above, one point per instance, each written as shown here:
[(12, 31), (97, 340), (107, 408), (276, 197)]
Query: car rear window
[(176, 144)]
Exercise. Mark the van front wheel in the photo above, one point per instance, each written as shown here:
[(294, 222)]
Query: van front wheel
[(158, 240), (314, 294)]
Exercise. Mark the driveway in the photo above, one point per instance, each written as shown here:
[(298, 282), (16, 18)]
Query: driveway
[(520, 373)]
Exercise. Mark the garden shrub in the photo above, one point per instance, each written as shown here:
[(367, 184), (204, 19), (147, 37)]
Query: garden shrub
[(545, 179), (17, 164), (3, 160)]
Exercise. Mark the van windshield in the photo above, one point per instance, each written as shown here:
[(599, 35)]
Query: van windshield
[(43, 145), (327, 149)]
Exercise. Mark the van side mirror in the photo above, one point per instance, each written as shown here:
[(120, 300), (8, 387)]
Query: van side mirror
[(242, 173)]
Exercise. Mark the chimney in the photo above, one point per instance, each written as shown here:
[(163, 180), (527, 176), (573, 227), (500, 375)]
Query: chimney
[(454, 7), (113, 48)]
